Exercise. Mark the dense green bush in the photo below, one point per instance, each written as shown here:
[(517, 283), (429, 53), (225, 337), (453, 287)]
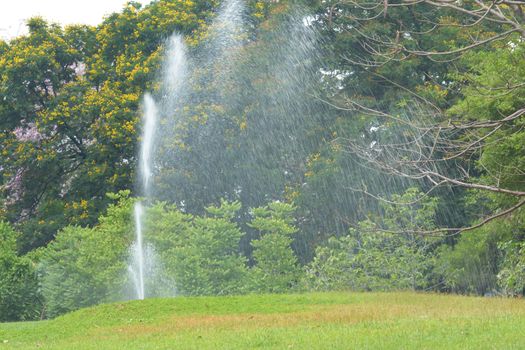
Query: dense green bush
[(488, 259), (193, 255), (511, 275), (200, 254), (20, 297), (471, 265), (371, 260), (276, 269), (86, 266), (380, 258)]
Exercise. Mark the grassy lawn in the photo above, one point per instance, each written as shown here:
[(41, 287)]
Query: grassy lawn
[(303, 321)]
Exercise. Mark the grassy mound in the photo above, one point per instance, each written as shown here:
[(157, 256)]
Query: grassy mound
[(306, 321)]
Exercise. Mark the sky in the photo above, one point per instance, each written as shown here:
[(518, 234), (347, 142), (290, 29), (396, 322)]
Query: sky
[(14, 13)]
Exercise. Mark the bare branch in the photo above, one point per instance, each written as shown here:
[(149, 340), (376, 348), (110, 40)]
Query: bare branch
[(444, 230)]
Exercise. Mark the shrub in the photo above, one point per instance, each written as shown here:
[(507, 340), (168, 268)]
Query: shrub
[(200, 254), (372, 257), (487, 259), (20, 299), (276, 269), (86, 266)]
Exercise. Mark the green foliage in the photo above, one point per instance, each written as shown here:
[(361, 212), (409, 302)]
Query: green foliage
[(276, 269), (86, 266), (200, 253), (511, 277), (374, 258), (489, 259), (196, 255), (69, 111), (20, 298), (470, 266), (486, 260), (493, 91)]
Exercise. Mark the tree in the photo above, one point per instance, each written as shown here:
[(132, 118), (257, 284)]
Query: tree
[(486, 260), (416, 69), (380, 257), (70, 108), (200, 254), (20, 298), (275, 267), (84, 266)]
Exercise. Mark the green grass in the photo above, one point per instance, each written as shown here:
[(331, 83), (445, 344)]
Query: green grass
[(303, 321)]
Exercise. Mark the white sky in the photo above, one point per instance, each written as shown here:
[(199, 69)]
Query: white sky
[(14, 13)]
